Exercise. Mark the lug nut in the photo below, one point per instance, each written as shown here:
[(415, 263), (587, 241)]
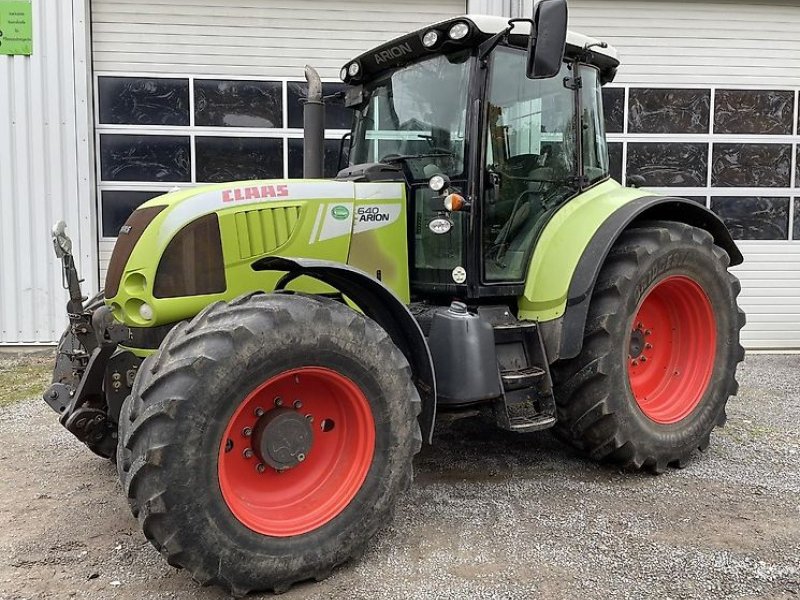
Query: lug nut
[(297, 404), (53, 395), (301, 457), (248, 453), (259, 412), (260, 467), (310, 418), (278, 401), (247, 432), (634, 363), (648, 346), (647, 332), (643, 358)]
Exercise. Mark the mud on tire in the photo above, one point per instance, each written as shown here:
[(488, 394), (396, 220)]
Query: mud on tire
[(185, 395), (597, 410)]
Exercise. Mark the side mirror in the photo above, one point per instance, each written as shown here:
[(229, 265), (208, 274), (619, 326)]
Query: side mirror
[(547, 40)]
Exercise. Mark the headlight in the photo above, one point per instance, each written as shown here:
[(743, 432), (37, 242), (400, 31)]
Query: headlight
[(146, 311), (438, 182), (458, 31), (343, 74), (353, 69), (430, 38)]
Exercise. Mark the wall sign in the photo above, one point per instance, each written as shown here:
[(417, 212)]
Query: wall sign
[(16, 27)]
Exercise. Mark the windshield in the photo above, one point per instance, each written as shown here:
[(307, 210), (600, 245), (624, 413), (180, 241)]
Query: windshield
[(417, 115)]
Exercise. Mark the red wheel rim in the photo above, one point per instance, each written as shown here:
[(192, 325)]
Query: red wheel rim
[(313, 492), (671, 349)]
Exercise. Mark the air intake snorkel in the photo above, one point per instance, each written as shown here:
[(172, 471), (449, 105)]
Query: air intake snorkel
[(313, 127)]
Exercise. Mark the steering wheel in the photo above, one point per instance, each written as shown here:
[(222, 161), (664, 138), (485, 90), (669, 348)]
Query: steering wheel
[(519, 167)]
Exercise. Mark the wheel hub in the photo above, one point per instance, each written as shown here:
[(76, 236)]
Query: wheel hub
[(282, 438), (637, 343)]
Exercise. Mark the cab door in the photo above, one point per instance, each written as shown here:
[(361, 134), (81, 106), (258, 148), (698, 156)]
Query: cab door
[(529, 163)]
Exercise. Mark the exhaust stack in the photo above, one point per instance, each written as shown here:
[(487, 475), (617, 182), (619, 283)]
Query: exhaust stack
[(313, 127)]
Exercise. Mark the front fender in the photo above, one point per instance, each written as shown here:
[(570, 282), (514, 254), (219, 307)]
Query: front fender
[(381, 305)]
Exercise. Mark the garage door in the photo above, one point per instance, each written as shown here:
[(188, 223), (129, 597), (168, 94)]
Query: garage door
[(705, 105), (192, 91)]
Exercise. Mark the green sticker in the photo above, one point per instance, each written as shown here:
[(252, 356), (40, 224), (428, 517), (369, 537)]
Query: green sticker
[(340, 212), (16, 28)]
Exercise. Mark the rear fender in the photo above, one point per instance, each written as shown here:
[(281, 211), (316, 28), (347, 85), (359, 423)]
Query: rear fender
[(569, 335), (381, 305)]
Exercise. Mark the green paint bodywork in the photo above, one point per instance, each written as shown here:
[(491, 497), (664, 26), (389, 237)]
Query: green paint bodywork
[(296, 228), (253, 229), (561, 245)]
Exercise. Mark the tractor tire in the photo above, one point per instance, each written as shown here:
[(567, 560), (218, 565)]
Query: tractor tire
[(660, 350), (268, 440)]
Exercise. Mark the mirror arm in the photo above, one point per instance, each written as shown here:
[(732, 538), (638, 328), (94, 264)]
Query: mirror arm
[(486, 47)]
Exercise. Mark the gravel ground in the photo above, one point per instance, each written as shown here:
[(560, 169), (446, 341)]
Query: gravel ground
[(491, 515)]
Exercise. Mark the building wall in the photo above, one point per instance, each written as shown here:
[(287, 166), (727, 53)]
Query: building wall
[(45, 173), (684, 63)]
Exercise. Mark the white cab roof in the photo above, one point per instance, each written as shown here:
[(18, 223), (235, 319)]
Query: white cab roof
[(492, 24)]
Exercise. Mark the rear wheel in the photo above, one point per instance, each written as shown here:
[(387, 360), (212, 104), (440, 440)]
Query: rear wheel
[(660, 350), (268, 440)]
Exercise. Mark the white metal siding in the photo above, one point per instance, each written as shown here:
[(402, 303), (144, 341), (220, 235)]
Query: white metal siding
[(722, 42), (770, 279), (717, 42), (44, 172), (254, 38)]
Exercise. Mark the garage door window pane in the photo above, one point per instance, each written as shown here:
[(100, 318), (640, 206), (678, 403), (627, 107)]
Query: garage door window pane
[(138, 101), (615, 160), (751, 165), (337, 115), (796, 226), (668, 111), (331, 155), (223, 103), (754, 218), (144, 158), (753, 111), (614, 109), (669, 164), (236, 159), (118, 205)]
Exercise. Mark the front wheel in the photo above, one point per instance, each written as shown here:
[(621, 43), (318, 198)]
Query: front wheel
[(267, 440), (660, 350)]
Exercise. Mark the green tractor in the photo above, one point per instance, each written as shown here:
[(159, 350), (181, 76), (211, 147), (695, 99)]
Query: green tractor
[(268, 356)]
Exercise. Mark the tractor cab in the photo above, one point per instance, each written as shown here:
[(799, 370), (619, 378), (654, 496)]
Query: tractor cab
[(488, 154)]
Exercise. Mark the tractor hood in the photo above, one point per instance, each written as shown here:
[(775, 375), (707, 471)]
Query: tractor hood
[(179, 251)]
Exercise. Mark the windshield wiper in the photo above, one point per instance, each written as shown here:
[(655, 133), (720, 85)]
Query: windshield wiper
[(400, 157)]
